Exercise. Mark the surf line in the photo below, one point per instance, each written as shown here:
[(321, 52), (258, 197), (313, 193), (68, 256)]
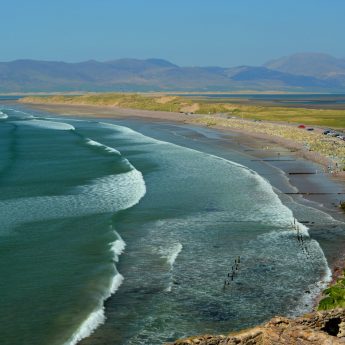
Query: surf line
[(171, 258), (265, 184), (98, 317)]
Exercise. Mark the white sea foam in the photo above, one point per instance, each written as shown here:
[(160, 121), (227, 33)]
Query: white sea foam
[(309, 254), (272, 210), (173, 254), (107, 194), (118, 247), (119, 187), (170, 254), (21, 114), (113, 192), (3, 116), (94, 320), (128, 133), (46, 124), (116, 283), (106, 148), (306, 302), (97, 317)]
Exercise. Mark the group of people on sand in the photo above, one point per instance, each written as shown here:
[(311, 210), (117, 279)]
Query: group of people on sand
[(234, 271), (300, 239)]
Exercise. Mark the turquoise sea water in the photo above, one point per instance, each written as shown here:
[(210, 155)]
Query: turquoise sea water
[(93, 209)]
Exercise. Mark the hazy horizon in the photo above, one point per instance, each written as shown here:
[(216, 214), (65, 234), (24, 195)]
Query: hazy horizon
[(224, 33), (161, 58)]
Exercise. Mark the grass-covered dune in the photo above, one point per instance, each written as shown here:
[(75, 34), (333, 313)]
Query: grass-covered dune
[(159, 102)]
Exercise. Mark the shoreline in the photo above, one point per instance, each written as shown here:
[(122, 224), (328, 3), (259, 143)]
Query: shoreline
[(261, 142), (113, 112), (244, 126), (259, 146)]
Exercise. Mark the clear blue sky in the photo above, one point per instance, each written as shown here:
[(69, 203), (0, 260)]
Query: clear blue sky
[(186, 32)]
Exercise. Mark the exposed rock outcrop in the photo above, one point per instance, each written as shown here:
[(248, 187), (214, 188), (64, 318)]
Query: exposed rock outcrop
[(317, 328)]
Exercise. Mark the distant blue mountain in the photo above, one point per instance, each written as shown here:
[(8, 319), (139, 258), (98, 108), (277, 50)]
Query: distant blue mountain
[(300, 72), (309, 64)]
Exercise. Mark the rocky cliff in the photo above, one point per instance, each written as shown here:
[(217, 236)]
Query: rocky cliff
[(317, 328)]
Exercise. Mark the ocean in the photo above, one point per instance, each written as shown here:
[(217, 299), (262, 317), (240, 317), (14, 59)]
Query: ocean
[(111, 236)]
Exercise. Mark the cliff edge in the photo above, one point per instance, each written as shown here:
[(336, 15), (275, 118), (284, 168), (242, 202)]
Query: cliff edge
[(317, 328)]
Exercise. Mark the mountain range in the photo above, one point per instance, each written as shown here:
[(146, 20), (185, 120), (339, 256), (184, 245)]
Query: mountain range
[(299, 72)]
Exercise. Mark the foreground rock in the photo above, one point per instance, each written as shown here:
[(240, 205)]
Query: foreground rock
[(318, 328)]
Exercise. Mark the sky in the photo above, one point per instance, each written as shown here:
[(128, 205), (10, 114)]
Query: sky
[(186, 32)]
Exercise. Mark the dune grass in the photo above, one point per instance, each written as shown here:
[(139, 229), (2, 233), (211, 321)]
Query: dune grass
[(133, 101), (319, 117)]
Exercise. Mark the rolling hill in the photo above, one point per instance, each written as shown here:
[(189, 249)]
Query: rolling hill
[(299, 72)]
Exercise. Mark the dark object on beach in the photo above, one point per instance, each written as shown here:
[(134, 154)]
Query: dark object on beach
[(310, 129), (342, 205)]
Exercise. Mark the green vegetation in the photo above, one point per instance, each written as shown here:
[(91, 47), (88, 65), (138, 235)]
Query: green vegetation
[(335, 296), (320, 117), (133, 101), (161, 102)]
